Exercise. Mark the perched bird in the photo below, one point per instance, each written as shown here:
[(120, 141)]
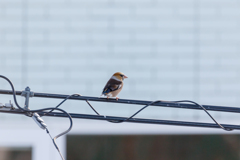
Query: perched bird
[(114, 85)]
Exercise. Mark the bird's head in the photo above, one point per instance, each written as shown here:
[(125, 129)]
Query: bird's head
[(120, 76)]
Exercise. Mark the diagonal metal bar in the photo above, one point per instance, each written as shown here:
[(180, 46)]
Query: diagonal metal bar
[(133, 120), (129, 101)]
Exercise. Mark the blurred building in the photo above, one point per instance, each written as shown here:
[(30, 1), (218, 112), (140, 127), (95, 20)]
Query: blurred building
[(170, 50)]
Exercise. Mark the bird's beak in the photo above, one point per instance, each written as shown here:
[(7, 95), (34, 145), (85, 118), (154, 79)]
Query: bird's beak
[(125, 76)]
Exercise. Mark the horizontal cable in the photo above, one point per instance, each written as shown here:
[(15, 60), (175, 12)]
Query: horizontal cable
[(132, 120), (129, 101)]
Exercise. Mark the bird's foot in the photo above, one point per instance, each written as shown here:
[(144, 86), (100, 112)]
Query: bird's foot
[(117, 98)]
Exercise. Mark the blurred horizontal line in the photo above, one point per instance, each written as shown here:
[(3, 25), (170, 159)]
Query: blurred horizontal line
[(133, 120), (129, 101)]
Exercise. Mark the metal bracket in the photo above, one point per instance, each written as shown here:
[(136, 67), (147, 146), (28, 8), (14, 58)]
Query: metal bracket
[(7, 106), (27, 93), (35, 116)]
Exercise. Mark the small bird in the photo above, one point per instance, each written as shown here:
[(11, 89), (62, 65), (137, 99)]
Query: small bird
[(114, 85)]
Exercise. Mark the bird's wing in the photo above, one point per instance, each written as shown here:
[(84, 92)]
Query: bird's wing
[(112, 85)]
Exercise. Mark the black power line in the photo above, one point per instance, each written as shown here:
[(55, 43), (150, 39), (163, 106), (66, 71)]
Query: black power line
[(50, 111), (174, 104), (132, 120), (129, 101)]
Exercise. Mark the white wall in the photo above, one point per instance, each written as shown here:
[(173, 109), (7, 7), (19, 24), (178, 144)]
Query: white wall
[(170, 50)]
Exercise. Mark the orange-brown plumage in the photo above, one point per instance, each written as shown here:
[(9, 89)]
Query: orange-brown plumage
[(114, 85)]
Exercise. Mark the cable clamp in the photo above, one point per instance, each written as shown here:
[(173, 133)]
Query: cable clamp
[(39, 120), (27, 94), (7, 106)]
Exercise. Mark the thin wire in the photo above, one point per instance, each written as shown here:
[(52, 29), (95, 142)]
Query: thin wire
[(113, 121), (134, 113), (227, 129), (60, 103), (14, 93), (76, 94), (55, 144), (92, 107), (51, 109), (120, 121), (71, 123), (39, 110)]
